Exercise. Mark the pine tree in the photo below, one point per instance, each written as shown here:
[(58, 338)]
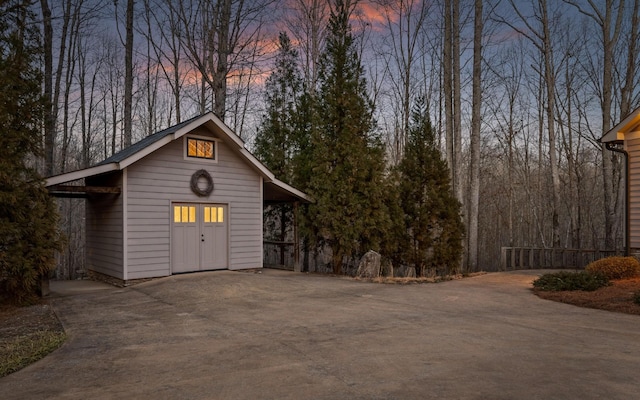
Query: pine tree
[(433, 227), (276, 142), (276, 139), (347, 159), (28, 218)]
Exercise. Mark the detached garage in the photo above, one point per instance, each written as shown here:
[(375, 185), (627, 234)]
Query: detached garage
[(188, 198)]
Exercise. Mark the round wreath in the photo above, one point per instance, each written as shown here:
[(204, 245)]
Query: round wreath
[(195, 178)]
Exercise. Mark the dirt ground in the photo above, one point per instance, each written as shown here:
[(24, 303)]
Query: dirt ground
[(618, 297)]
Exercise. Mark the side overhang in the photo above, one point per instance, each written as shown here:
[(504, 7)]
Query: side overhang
[(276, 191)]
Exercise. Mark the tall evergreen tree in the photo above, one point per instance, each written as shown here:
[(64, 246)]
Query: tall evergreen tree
[(28, 218), (347, 159), (276, 139), (276, 142), (432, 222)]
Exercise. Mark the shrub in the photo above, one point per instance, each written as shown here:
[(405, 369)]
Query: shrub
[(616, 267), (559, 281)]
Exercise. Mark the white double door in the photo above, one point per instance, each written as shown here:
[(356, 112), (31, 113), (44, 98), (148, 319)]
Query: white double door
[(199, 239)]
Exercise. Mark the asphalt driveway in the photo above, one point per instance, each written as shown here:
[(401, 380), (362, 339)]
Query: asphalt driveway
[(284, 335)]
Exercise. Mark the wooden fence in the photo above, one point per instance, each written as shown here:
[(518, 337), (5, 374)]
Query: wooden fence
[(279, 255), (515, 258)]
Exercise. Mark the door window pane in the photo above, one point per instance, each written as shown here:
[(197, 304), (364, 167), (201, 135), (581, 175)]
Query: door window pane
[(220, 214), (207, 214), (185, 214), (192, 214), (176, 214)]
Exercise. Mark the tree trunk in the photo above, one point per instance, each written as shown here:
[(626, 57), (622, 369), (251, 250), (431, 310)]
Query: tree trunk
[(448, 89), (474, 184), (221, 70), (457, 104), (550, 111), (49, 117), (128, 78)]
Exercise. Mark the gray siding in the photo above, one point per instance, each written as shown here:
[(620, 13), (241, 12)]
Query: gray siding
[(633, 148), (104, 228), (164, 176)]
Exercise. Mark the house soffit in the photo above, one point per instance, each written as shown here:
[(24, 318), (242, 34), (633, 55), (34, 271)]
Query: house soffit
[(625, 130)]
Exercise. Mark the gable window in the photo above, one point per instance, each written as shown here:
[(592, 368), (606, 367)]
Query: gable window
[(201, 148)]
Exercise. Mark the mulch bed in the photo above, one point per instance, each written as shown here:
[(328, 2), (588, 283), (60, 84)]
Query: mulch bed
[(618, 297)]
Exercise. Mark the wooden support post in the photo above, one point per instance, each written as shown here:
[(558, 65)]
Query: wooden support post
[(296, 240), (503, 259)]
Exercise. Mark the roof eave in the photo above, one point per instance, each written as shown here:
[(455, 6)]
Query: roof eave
[(80, 174), (612, 136), (627, 125)]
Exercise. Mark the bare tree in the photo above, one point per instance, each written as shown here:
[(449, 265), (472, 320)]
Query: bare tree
[(49, 116), (164, 39), (128, 75), (405, 22), (538, 31), (447, 64), (53, 82), (632, 45), (474, 165), (216, 35), (610, 22), (307, 21)]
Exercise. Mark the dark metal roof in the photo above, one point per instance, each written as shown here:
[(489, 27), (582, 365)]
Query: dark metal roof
[(148, 141)]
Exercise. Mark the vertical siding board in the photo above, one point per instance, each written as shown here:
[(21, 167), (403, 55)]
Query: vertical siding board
[(164, 177)]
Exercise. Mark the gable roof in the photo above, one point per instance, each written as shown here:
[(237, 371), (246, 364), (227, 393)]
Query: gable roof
[(149, 140), (630, 124), (148, 145)]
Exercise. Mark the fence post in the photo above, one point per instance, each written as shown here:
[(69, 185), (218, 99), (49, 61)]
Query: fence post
[(503, 258)]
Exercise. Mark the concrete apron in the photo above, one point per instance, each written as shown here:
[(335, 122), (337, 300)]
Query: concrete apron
[(284, 335)]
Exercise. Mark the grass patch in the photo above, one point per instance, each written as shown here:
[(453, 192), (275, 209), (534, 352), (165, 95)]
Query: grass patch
[(27, 334), (16, 353)]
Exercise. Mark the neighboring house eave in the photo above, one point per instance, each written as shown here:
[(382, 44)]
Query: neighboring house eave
[(630, 124)]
